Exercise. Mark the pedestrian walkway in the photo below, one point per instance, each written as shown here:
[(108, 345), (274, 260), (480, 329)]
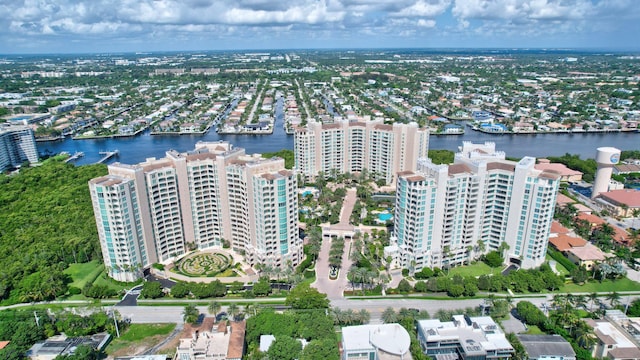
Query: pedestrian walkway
[(335, 288)]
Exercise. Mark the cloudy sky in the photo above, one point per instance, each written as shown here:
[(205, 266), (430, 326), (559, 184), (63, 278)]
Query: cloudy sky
[(53, 26)]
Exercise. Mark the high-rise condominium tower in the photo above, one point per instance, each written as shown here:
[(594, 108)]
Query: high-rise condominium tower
[(154, 211), (447, 215), (17, 145), (353, 146)]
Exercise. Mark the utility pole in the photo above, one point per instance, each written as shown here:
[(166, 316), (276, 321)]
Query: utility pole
[(115, 322)]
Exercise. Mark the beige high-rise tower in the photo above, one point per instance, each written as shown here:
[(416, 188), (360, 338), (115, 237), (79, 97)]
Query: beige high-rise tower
[(156, 210), (353, 146)]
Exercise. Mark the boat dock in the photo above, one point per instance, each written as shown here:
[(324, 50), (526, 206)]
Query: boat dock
[(75, 156), (107, 155)]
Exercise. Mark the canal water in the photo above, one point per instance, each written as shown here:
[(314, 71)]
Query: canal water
[(137, 149)]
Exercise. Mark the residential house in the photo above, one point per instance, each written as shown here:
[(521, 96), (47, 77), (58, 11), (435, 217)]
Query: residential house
[(210, 341), (465, 337), (375, 342), (547, 347), (566, 174), (617, 336), (63, 345), (620, 202)]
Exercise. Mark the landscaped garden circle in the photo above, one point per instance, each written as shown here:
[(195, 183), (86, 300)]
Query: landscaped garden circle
[(204, 264)]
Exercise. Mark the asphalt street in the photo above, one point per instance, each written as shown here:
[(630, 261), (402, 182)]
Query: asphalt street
[(173, 314)]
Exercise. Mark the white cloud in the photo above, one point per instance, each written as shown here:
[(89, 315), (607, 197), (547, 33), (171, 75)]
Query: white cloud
[(354, 20), (424, 8), (426, 23)]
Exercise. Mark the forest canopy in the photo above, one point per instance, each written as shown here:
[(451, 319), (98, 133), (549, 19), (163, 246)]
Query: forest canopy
[(46, 223)]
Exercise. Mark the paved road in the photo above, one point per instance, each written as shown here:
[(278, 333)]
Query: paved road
[(323, 283), (335, 288), (173, 314)]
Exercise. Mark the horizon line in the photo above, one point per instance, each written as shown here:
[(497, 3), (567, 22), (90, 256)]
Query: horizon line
[(327, 49)]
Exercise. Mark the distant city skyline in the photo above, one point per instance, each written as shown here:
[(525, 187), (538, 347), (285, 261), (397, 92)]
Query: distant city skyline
[(72, 26)]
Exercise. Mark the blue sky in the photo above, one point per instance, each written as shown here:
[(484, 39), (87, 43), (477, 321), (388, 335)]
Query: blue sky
[(68, 26)]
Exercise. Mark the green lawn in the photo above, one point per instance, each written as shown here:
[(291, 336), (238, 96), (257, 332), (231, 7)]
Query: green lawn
[(559, 267), (138, 335), (605, 286), (534, 330), (102, 279), (477, 269), (82, 273)]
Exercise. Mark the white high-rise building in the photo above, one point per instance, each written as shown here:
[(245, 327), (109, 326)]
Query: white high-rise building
[(202, 199), (353, 146), (445, 213), (17, 145)]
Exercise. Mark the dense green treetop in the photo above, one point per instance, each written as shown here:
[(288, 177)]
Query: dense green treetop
[(587, 167), (46, 223), (304, 296), (441, 156), (287, 155), (296, 325)]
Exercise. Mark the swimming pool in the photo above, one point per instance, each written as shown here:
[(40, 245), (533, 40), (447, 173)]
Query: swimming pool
[(385, 216)]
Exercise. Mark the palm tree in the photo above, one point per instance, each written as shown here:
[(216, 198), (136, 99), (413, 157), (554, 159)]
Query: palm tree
[(614, 298), (585, 338), (214, 308), (636, 215), (364, 316), (580, 301), (233, 311), (190, 314), (481, 247), (389, 316), (593, 297), (251, 310)]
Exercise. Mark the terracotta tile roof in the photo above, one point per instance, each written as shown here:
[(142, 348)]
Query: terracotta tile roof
[(383, 127), (557, 228), (620, 235), (3, 344), (565, 242), (628, 197), (200, 156), (550, 174), (458, 169), (501, 166), (558, 168), (592, 219), (236, 342), (563, 200), (583, 208), (331, 126), (588, 252), (415, 178)]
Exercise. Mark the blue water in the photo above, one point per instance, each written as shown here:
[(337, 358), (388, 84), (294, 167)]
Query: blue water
[(306, 193), (385, 216), (20, 118), (137, 149)]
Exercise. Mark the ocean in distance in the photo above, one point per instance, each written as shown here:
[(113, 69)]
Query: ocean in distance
[(137, 149)]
